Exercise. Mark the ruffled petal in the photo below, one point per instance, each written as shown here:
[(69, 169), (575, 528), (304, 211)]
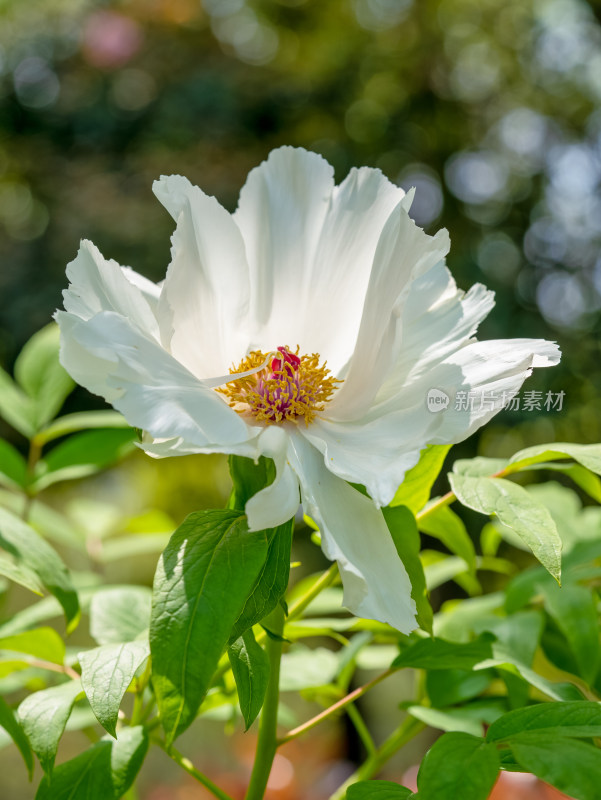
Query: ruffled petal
[(310, 248), (353, 531), (404, 252), (97, 284), (153, 391), (492, 372), (204, 301)]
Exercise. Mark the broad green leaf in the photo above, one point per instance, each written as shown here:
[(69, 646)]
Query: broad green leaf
[(519, 634), (583, 477), (249, 478), (305, 668), (16, 407), (103, 772), (451, 720), (81, 421), (24, 543), (250, 667), (575, 720), (574, 609), (83, 454), (43, 643), (451, 686), (11, 725), (13, 467), (120, 614), (39, 373), (202, 582), (43, 716), (271, 582), (517, 509), (478, 467), (449, 529), (439, 654), (403, 529), (106, 673), (458, 765), (589, 455), (20, 574), (440, 568), (377, 790), (414, 491), (571, 766)]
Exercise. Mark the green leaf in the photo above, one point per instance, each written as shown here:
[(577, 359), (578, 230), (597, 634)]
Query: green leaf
[(439, 654), (20, 574), (38, 371), (271, 582), (120, 614), (454, 719), (458, 765), (106, 673), (517, 509), (414, 491), (81, 421), (43, 716), (580, 719), (16, 407), (13, 467), (403, 529), (575, 610), (104, 772), (589, 455), (307, 668), (449, 529), (249, 478), (479, 467), (571, 766), (201, 585), (24, 543), (11, 725), (44, 643), (250, 667), (450, 686), (377, 790), (83, 454)]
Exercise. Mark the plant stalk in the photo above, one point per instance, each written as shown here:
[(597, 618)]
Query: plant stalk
[(267, 741)]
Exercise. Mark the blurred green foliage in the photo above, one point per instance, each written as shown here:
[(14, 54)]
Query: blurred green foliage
[(489, 107)]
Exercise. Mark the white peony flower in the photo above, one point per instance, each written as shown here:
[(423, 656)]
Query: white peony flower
[(335, 313)]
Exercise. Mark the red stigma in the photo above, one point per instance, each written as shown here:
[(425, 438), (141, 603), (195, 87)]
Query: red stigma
[(277, 363)]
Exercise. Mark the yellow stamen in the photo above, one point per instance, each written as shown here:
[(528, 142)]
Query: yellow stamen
[(286, 390)]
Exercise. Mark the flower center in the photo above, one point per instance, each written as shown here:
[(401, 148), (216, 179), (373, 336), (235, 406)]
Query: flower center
[(287, 387)]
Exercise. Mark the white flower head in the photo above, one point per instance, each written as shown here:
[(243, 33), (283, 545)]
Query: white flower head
[(307, 327)]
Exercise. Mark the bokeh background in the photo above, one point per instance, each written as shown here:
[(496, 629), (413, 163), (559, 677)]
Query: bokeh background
[(490, 108)]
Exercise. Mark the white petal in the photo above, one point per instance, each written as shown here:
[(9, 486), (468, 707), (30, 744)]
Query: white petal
[(437, 320), (353, 531), (490, 370), (110, 357), (376, 453), (279, 501), (204, 300), (310, 247), (403, 253), (97, 284)]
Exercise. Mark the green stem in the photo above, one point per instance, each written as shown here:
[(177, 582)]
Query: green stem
[(324, 580), (408, 729), (361, 728), (189, 767), (333, 709), (266, 744)]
